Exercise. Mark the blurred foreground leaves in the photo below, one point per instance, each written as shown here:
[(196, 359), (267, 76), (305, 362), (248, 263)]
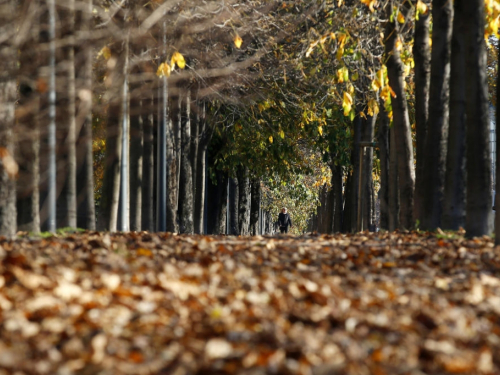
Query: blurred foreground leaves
[(142, 303)]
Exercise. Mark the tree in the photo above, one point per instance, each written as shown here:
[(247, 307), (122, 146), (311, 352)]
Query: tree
[(479, 183), (402, 131)]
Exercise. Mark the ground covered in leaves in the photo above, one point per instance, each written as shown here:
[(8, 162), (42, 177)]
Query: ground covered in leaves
[(140, 303)]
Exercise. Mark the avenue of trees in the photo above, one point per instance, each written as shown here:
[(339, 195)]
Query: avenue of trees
[(209, 116)]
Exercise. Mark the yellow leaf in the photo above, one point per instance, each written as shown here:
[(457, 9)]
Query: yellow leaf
[(401, 18), (271, 139), (144, 252), (105, 52), (355, 76), (282, 134), (422, 7), (399, 45), (340, 53), (237, 41), (320, 130), (347, 103), (178, 59), (350, 89), (163, 70), (373, 108)]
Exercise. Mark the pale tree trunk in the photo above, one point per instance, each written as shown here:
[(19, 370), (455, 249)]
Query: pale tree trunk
[(243, 200), (347, 220), (437, 123), (254, 207), (108, 215), (454, 190), (404, 147), (383, 145), (7, 108), (195, 122), (148, 181), (136, 161), (172, 165), (205, 134), (27, 131), (393, 188), (66, 121), (85, 175), (497, 164), (479, 183), (422, 58), (186, 175)]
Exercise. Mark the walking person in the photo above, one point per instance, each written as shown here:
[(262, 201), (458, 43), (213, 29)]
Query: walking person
[(284, 220)]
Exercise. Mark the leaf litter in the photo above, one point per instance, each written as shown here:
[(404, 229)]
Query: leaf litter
[(141, 303)]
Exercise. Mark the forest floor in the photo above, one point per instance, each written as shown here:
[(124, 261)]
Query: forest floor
[(141, 303)]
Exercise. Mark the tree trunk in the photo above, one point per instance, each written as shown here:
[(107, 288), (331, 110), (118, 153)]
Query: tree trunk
[(454, 190), (383, 145), (186, 177), (205, 134), (254, 207), (355, 160), (393, 189), (217, 204), (66, 122), (196, 123), (497, 163), (136, 161), (7, 108), (243, 201), (402, 129), (172, 175), (108, 215), (348, 206), (437, 124), (338, 203), (479, 183), (85, 174), (233, 207), (148, 181), (27, 132), (422, 58), (367, 135)]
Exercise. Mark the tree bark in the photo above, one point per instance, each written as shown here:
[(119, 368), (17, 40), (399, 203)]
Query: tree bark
[(454, 190), (437, 124), (254, 207), (347, 219), (66, 121), (7, 108), (233, 207), (205, 134), (355, 160), (186, 176), (148, 181), (404, 147), (383, 145), (27, 129), (338, 201), (422, 58), (393, 189), (243, 200), (497, 164), (108, 215), (172, 157), (85, 173), (136, 162), (368, 216), (479, 183)]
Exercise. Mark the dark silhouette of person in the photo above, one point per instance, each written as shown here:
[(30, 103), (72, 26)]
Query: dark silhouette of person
[(284, 220)]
